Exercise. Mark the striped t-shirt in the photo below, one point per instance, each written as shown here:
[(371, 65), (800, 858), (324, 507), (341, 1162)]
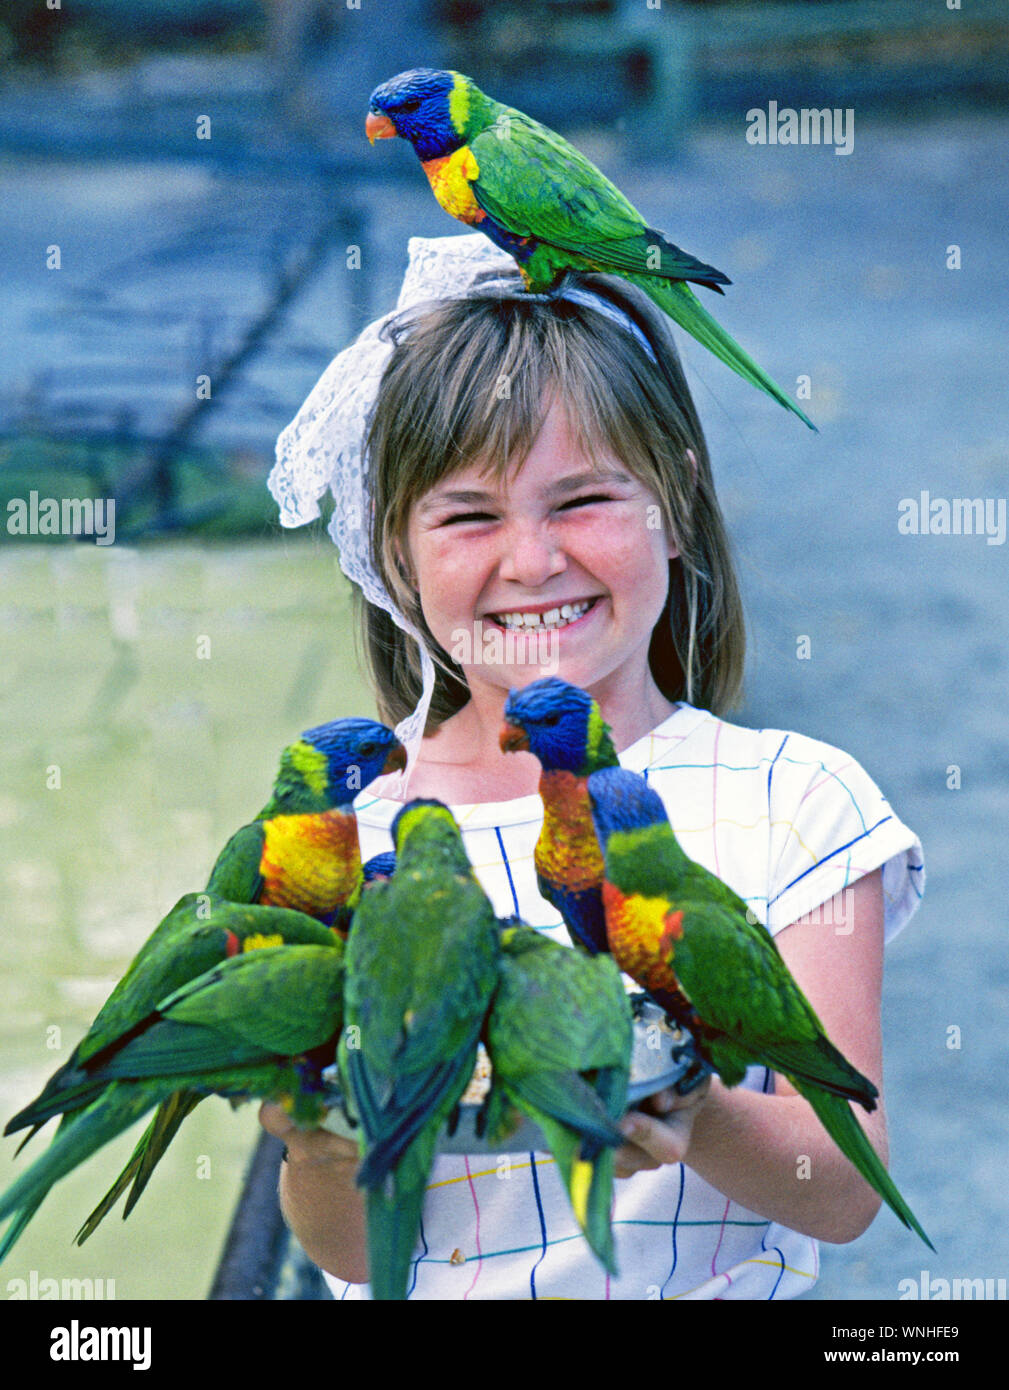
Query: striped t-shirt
[(787, 822)]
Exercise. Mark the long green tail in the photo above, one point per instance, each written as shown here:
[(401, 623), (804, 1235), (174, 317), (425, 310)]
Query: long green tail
[(394, 1210), (588, 1181), (838, 1119), (138, 1170), (581, 1133), (73, 1143), (13, 1232), (681, 304), (145, 1157)]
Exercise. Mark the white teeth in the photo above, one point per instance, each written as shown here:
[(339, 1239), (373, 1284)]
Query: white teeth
[(551, 619)]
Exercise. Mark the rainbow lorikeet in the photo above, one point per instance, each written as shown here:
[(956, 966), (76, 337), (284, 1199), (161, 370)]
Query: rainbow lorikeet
[(263, 1024), (563, 727), (301, 852), (685, 936), (559, 1036), (422, 965), (523, 185)]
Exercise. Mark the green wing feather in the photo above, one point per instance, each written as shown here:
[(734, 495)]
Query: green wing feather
[(732, 973), (235, 874), (534, 183)]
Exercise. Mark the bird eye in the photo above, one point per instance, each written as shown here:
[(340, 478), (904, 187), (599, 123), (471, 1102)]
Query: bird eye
[(367, 749), (550, 720), (409, 106)]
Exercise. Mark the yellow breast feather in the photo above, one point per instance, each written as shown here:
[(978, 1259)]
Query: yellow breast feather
[(450, 178)]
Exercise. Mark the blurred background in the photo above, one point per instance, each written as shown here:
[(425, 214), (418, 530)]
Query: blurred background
[(183, 189)]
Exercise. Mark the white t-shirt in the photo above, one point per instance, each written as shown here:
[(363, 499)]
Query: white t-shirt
[(787, 822)]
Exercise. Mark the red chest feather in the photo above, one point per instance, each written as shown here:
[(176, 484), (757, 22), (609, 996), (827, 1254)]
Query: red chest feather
[(567, 852)]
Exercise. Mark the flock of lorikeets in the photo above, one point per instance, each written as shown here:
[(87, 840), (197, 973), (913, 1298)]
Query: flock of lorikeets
[(296, 956)]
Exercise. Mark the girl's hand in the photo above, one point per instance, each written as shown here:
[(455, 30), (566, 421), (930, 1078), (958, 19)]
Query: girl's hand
[(310, 1147), (318, 1196), (663, 1134)]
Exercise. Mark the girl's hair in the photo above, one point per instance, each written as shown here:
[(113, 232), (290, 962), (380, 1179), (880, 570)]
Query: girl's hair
[(473, 379)]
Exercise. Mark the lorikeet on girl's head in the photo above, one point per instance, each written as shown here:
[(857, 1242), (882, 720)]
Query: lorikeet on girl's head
[(497, 170)]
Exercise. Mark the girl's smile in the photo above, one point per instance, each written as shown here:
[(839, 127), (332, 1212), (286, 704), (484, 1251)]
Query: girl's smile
[(555, 547)]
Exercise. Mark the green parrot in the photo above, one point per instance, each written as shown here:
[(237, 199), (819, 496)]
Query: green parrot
[(506, 175), (695, 949), (422, 965), (262, 1025), (559, 1037), (301, 852)]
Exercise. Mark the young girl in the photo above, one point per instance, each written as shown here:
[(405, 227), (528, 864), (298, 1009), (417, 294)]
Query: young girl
[(536, 465)]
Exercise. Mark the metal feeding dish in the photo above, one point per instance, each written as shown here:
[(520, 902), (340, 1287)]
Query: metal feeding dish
[(662, 1056)]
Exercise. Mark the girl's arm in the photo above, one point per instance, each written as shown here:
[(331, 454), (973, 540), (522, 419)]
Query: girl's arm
[(318, 1197), (769, 1152)]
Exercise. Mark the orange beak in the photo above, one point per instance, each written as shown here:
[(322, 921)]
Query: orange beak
[(379, 127), (513, 739), (396, 761)]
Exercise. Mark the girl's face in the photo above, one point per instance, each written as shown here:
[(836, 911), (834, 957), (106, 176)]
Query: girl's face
[(494, 559)]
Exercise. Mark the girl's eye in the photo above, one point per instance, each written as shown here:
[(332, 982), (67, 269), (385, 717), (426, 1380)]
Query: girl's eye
[(467, 516), (584, 501)]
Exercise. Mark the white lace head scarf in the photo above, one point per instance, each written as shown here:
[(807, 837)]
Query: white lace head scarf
[(323, 446)]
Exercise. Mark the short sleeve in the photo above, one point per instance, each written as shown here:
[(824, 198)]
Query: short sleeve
[(829, 826)]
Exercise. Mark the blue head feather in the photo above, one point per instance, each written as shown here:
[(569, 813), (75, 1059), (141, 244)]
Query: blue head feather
[(380, 866), (417, 103), (356, 751), (623, 800), (555, 718)]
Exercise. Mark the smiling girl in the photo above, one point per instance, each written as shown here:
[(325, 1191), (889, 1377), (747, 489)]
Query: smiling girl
[(537, 467)]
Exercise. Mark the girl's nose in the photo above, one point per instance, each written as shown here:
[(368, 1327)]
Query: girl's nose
[(530, 555)]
